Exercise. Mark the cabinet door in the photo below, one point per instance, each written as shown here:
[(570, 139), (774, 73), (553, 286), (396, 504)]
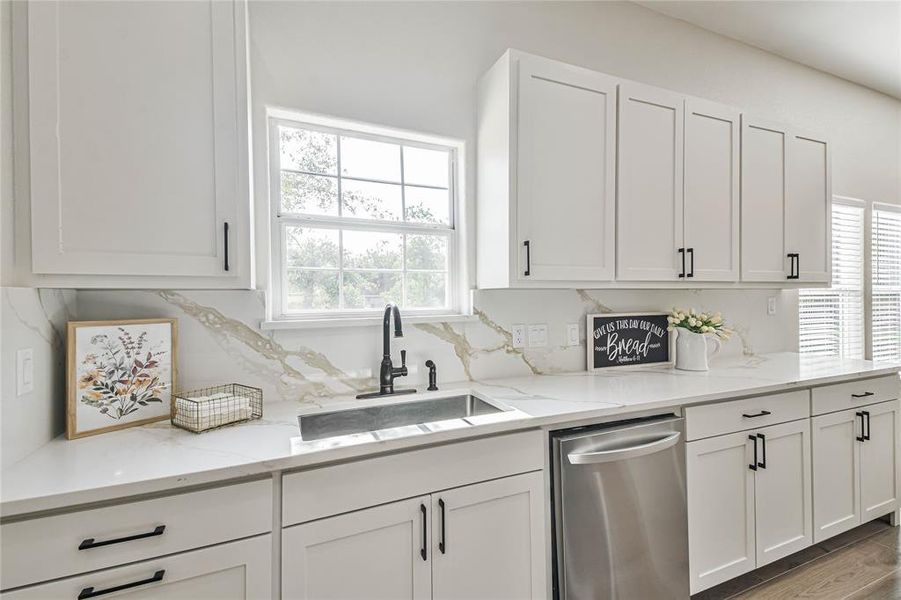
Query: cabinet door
[(763, 166), (233, 571), (565, 206), (711, 215), (720, 509), (379, 552), (836, 494), (488, 540), (649, 204), (782, 490), (808, 207), (879, 461), (138, 140)]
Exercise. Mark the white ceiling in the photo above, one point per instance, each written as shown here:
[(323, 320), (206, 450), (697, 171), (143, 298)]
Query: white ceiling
[(857, 40)]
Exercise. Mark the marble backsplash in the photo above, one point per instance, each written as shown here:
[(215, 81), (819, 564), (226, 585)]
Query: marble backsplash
[(220, 340)]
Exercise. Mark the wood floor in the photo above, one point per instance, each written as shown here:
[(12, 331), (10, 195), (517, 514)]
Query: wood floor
[(858, 564)]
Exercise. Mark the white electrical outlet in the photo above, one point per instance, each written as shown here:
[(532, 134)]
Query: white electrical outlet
[(538, 335), (24, 371), (572, 334), (771, 305), (519, 336)]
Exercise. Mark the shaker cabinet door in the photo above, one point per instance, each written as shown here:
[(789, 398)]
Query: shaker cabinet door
[(836, 471), (377, 553), (138, 141), (566, 152), (782, 490), (720, 509), (808, 208), (711, 215), (488, 540), (763, 172), (649, 205), (879, 460)]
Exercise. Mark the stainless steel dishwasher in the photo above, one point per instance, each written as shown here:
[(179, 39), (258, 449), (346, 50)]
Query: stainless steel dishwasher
[(620, 521)]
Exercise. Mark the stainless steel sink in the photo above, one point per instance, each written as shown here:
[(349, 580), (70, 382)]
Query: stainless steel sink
[(368, 419)]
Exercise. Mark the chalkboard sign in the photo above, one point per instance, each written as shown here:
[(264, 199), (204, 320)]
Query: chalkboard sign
[(622, 340)]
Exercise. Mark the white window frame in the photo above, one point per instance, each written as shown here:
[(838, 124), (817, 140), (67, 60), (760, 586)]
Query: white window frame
[(459, 303)]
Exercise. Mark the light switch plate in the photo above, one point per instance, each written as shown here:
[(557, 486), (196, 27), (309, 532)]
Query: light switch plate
[(572, 334), (538, 335), (24, 371), (519, 336), (771, 305)]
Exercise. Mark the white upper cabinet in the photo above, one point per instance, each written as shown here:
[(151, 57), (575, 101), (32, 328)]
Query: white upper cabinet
[(546, 174), (808, 208), (785, 205), (711, 198), (678, 202), (138, 141), (649, 204)]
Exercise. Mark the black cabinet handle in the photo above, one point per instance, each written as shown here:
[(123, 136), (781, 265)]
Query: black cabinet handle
[(90, 592), (863, 395), (762, 413), (528, 245), (866, 416), (793, 265), (682, 253), (753, 465), (442, 544), (422, 551), (225, 228), (90, 543), (861, 437), (797, 266), (691, 270), (762, 437)]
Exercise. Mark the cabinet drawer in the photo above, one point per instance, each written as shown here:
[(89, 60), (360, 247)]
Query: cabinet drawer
[(341, 488), (832, 398), (241, 569), (737, 415), (62, 545)]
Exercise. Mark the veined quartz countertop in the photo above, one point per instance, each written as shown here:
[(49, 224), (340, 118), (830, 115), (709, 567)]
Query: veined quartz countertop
[(159, 457)]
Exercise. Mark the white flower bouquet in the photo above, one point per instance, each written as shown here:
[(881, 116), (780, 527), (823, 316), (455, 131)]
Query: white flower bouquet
[(698, 322)]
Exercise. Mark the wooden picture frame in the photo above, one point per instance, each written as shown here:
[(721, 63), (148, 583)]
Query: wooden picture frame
[(124, 368), (654, 319)]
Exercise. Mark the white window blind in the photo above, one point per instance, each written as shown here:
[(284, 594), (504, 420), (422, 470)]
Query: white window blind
[(832, 320), (886, 259)]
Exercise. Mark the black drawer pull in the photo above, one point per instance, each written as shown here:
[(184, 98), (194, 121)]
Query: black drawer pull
[(89, 592), (866, 417), (528, 245), (225, 237), (860, 438), (753, 465), (442, 545), (422, 551), (863, 395), (682, 254), (90, 543), (691, 255), (762, 437), (762, 413)]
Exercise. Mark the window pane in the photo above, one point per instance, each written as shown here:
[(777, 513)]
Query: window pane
[(309, 194), (307, 247), (372, 290), (311, 151), (367, 159), (426, 167), (372, 250), (365, 200), (312, 290), (427, 205), (427, 252), (426, 290), (886, 275)]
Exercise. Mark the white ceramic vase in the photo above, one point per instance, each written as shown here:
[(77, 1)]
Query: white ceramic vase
[(694, 349)]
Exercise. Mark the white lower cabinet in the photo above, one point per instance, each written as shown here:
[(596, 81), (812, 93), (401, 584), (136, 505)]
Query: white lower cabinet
[(855, 467), (233, 571), (749, 500), (479, 541)]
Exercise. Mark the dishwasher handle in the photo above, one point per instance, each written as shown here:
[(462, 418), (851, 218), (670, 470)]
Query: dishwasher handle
[(603, 456)]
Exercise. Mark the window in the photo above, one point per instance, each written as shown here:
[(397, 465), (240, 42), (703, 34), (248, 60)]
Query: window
[(886, 261), (362, 218), (832, 320)]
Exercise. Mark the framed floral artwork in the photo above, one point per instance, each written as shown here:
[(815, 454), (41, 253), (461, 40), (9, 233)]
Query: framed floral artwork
[(119, 374)]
